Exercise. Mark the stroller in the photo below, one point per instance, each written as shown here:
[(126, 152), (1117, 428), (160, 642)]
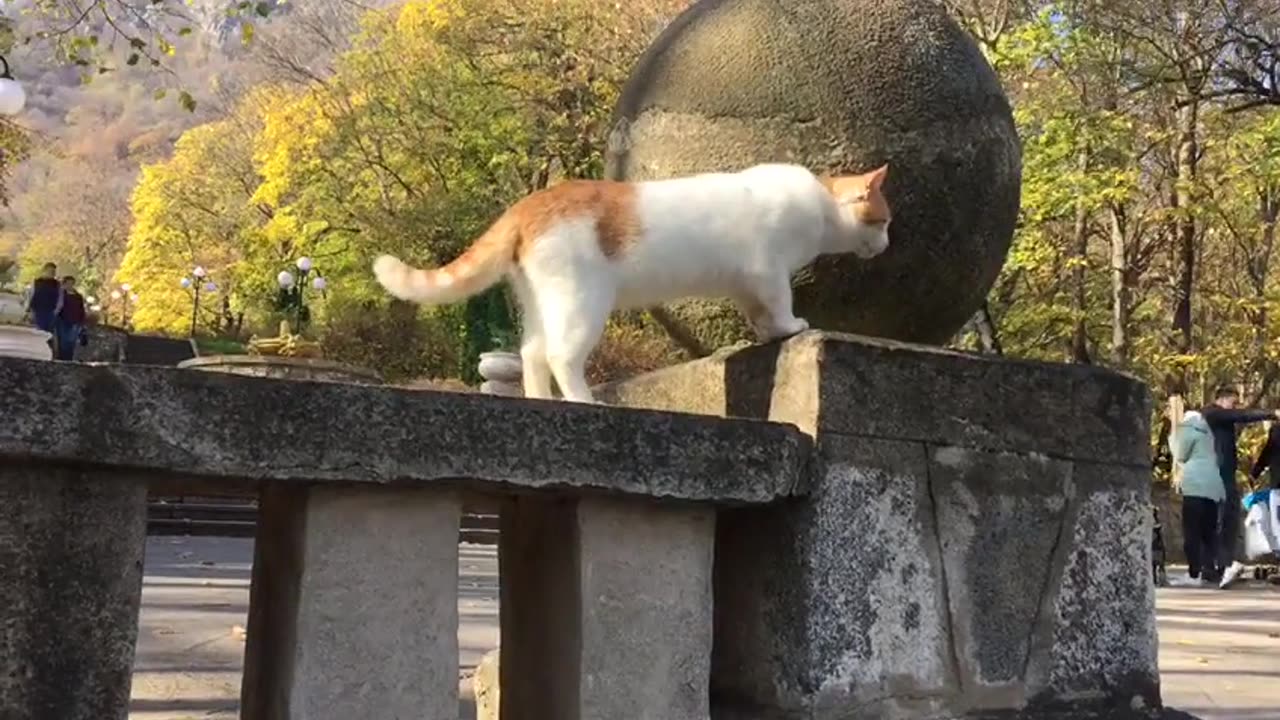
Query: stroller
[(1262, 528)]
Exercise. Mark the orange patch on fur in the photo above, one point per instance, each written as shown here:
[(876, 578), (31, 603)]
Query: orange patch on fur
[(863, 193), (612, 204)]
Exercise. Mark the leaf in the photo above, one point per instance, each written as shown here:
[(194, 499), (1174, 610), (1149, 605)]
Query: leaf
[(186, 101)]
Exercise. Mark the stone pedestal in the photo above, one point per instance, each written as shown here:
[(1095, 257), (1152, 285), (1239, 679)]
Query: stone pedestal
[(71, 547), (284, 368), (606, 609), (25, 342), (353, 605), (974, 541)]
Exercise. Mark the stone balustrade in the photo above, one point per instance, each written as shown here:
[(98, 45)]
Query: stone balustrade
[(608, 527), (884, 531)]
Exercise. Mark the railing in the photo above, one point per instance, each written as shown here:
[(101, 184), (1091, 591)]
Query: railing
[(607, 532)]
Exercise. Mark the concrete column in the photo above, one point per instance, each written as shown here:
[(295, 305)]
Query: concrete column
[(606, 609), (353, 606), (71, 547)]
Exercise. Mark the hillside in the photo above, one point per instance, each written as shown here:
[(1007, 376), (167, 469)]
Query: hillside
[(91, 132)]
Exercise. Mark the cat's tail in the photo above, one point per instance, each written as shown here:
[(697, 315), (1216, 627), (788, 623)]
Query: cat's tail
[(482, 265)]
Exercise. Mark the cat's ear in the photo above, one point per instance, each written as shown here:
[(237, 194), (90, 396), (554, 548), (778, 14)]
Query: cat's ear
[(876, 177)]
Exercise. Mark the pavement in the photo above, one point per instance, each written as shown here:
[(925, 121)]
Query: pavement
[(195, 601), (1219, 650)]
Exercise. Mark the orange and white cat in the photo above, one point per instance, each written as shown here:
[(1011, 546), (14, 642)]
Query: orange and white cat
[(576, 251)]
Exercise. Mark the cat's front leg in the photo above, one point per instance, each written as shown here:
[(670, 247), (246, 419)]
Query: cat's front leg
[(768, 308)]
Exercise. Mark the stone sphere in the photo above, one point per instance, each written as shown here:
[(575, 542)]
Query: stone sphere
[(841, 86)]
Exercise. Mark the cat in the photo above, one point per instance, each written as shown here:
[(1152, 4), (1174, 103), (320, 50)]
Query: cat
[(576, 251)]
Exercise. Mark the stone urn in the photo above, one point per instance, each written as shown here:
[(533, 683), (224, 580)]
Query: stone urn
[(502, 373), (17, 339)]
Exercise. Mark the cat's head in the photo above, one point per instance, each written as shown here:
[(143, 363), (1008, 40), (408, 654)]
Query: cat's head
[(864, 212)]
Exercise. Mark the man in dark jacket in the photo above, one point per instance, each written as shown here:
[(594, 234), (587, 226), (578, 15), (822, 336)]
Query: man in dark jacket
[(1269, 458), (1223, 416), (46, 299)]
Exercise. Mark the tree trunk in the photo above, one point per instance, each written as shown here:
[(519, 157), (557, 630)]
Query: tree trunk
[(1185, 232), (988, 337), (1080, 255), (1121, 293)]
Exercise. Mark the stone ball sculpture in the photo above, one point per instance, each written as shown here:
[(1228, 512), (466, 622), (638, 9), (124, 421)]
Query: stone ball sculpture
[(839, 85)]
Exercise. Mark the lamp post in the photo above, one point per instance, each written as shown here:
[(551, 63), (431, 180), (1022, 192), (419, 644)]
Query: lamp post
[(195, 286), (125, 297), (12, 97), (292, 288)]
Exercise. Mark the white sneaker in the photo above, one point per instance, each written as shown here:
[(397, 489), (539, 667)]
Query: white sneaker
[(1231, 575)]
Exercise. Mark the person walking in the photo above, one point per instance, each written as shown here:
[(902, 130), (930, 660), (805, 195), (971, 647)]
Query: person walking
[(1200, 484), (1223, 416), (70, 320)]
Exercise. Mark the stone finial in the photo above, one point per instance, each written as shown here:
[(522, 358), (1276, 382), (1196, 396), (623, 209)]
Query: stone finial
[(502, 373)]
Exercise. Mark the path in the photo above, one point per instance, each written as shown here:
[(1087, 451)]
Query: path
[(1219, 651), (195, 598)]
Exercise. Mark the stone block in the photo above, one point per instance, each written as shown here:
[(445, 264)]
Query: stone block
[(232, 428), (71, 550), (353, 606), (1101, 656), (972, 541), (606, 609), (836, 600), (825, 382), (1000, 523)]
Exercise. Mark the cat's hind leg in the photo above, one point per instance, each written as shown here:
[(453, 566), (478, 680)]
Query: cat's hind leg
[(536, 373), (573, 323), (767, 306)]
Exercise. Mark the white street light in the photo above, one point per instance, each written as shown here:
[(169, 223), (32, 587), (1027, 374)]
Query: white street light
[(125, 287), (285, 278), (115, 294), (319, 283), (199, 272), (211, 287), (133, 298), (185, 283), (12, 97), (304, 264)]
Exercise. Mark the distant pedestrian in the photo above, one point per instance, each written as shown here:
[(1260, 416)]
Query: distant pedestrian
[(1223, 416), (1202, 494), (46, 299), (71, 319), (1269, 458)]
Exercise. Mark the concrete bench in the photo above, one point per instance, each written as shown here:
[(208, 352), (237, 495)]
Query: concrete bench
[(607, 536)]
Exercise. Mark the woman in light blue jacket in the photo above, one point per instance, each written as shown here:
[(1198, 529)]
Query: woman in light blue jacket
[(1202, 493)]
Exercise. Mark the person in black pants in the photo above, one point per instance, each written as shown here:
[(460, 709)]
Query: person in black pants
[(1269, 458), (1223, 416)]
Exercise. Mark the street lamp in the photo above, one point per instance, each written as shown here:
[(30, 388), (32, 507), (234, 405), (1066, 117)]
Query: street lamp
[(195, 286), (12, 97), (293, 287)]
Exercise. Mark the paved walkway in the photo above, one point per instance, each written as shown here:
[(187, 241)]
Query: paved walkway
[(1219, 651)]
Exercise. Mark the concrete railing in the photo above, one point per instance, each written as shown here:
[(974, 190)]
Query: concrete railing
[(608, 527), (896, 532)]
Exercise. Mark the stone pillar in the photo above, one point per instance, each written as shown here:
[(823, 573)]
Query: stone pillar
[(71, 548), (974, 537), (353, 605), (606, 609)]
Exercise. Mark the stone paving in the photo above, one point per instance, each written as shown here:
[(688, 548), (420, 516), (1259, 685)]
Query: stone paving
[(1219, 650)]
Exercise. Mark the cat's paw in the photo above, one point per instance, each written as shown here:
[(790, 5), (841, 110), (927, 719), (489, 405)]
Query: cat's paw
[(784, 329)]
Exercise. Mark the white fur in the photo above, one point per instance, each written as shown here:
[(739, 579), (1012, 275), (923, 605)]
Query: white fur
[(726, 235)]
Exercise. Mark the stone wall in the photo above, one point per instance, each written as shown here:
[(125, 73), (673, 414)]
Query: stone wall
[(106, 344), (975, 540)]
